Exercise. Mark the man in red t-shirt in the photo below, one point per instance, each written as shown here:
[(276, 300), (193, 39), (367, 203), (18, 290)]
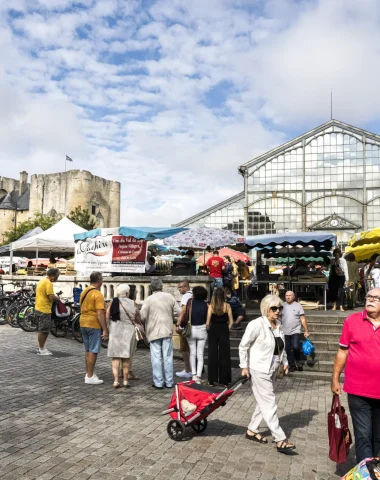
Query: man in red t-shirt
[(215, 266), (359, 355)]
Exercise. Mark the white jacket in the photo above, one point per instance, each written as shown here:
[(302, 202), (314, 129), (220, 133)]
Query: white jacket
[(257, 345)]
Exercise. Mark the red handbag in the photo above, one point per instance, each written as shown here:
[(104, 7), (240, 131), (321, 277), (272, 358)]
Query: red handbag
[(339, 434)]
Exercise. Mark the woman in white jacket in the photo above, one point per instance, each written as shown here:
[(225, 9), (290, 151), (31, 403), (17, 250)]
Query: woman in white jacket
[(261, 352)]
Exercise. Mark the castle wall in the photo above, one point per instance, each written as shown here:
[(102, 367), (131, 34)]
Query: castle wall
[(76, 188), (7, 220), (8, 185)]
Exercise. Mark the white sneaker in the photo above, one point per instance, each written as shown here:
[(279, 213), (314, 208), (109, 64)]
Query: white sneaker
[(184, 374), (43, 351), (94, 380)]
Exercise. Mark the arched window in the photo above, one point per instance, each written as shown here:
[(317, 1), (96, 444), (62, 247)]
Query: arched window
[(274, 215)]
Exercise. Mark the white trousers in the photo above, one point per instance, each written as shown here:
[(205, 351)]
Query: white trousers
[(266, 408), (197, 343)]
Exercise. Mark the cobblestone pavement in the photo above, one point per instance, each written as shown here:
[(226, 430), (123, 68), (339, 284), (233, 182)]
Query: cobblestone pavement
[(53, 426)]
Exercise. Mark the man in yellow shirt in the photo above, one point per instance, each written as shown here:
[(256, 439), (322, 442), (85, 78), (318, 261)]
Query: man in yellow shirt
[(45, 297), (93, 325)]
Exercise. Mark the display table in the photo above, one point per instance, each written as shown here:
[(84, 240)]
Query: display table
[(297, 286)]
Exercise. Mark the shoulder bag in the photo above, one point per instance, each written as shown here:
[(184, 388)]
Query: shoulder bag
[(139, 334), (280, 369), (339, 433), (188, 311), (85, 295)]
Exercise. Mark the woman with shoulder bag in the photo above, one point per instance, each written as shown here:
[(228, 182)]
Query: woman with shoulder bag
[(122, 316), (219, 323), (262, 354), (196, 316), (338, 278)]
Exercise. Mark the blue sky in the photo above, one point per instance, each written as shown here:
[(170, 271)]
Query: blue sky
[(170, 97)]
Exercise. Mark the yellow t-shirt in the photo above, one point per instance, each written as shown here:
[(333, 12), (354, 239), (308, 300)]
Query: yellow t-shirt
[(94, 301), (43, 290)]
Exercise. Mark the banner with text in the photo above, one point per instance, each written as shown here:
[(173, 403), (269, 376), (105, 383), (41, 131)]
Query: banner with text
[(110, 254)]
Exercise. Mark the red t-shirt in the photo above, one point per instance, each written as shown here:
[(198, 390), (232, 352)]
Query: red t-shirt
[(215, 265), (361, 374)]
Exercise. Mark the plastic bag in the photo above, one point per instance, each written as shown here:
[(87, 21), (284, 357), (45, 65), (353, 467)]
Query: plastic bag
[(307, 347), (367, 469)]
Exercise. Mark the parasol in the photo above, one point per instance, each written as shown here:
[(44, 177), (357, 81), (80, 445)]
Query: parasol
[(223, 252), (203, 237)]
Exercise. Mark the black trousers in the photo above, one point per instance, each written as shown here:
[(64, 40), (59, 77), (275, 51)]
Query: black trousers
[(293, 348), (365, 414), (219, 355)]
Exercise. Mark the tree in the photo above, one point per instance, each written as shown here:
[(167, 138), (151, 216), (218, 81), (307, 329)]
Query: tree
[(39, 220), (83, 218)]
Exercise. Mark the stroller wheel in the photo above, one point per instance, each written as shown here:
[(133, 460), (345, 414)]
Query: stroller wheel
[(176, 430), (200, 426)]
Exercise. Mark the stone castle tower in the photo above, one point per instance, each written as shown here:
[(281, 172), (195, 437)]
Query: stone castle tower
[(60, 193)]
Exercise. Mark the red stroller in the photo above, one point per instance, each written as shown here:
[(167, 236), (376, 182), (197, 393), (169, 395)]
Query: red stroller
[(192, 403)]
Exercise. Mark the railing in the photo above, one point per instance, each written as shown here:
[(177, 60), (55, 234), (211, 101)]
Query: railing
[(142, 284)]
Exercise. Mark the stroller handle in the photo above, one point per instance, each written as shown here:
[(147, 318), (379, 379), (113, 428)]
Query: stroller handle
[(243, 379)]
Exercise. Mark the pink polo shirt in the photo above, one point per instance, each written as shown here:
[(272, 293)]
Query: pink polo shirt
[(362, 371)]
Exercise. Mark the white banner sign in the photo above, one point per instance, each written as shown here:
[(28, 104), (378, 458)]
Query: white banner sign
[(110, 254)]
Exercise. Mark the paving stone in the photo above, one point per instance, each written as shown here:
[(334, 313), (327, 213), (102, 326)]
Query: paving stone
[(54, 427)]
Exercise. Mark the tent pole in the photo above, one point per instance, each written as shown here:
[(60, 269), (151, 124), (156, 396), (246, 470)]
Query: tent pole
[(11, 261)]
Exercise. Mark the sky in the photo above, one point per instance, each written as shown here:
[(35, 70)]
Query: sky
[(169, 97)]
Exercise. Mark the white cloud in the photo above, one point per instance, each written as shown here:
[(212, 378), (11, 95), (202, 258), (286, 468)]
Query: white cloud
[(171, 99)]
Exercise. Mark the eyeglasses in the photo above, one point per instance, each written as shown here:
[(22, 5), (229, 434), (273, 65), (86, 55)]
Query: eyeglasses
[(373, 298), (274, 309)]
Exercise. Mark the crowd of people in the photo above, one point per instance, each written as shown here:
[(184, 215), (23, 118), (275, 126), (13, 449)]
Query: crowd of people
[(269, 348)]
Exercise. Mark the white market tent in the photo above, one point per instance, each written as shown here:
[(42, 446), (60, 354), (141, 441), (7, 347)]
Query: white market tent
[(59, 238)]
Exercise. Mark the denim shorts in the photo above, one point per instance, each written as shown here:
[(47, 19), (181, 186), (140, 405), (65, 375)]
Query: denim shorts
[(92, 339)]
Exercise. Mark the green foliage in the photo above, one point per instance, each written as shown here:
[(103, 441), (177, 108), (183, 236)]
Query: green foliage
[(83, 218), (40, 220)]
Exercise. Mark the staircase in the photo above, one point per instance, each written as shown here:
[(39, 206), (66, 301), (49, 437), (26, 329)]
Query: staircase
[(325, 329)]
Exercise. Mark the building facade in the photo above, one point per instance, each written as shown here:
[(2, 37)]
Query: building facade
[(58, 193), (326, 179)]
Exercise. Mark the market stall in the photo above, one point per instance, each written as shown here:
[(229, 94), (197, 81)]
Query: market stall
[(306, 285), (365, 244)]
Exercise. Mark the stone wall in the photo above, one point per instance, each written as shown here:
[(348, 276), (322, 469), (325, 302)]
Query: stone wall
[(7, 220), (66, 284), (63, 192), (8, 185)]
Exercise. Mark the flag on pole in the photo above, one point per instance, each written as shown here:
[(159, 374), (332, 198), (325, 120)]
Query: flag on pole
[(68, 159)]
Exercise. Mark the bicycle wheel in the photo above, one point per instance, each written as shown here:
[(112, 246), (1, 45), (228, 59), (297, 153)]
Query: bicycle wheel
[(11, 315), (75, 328), (4, 305), (28, 321), (59, 327)]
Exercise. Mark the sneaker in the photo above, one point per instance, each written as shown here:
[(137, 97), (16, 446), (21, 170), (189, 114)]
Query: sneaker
[(94, 380), (43, 351), (236, 326), (184, 374)]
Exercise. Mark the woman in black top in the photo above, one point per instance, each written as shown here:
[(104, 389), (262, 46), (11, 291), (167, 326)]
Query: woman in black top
[(197, 309), (219, 323)]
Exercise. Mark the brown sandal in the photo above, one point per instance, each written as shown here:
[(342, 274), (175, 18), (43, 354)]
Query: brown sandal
[(285, 447), (256, 437)]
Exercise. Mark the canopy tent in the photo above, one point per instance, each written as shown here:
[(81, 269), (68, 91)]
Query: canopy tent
[(367, 237), (141, 233), (295, 252), (203, 237), (284, 260), (5, 249), (161, 250), (223, 252), (319, 240), (58, 239), (364, 252)]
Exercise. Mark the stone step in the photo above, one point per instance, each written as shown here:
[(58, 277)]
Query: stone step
[(325, 328), (310, 375), (322, 366), (324, 319), (319, 355)]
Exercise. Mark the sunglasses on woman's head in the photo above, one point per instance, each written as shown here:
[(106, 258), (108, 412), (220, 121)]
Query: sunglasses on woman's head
[(274, 309)]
